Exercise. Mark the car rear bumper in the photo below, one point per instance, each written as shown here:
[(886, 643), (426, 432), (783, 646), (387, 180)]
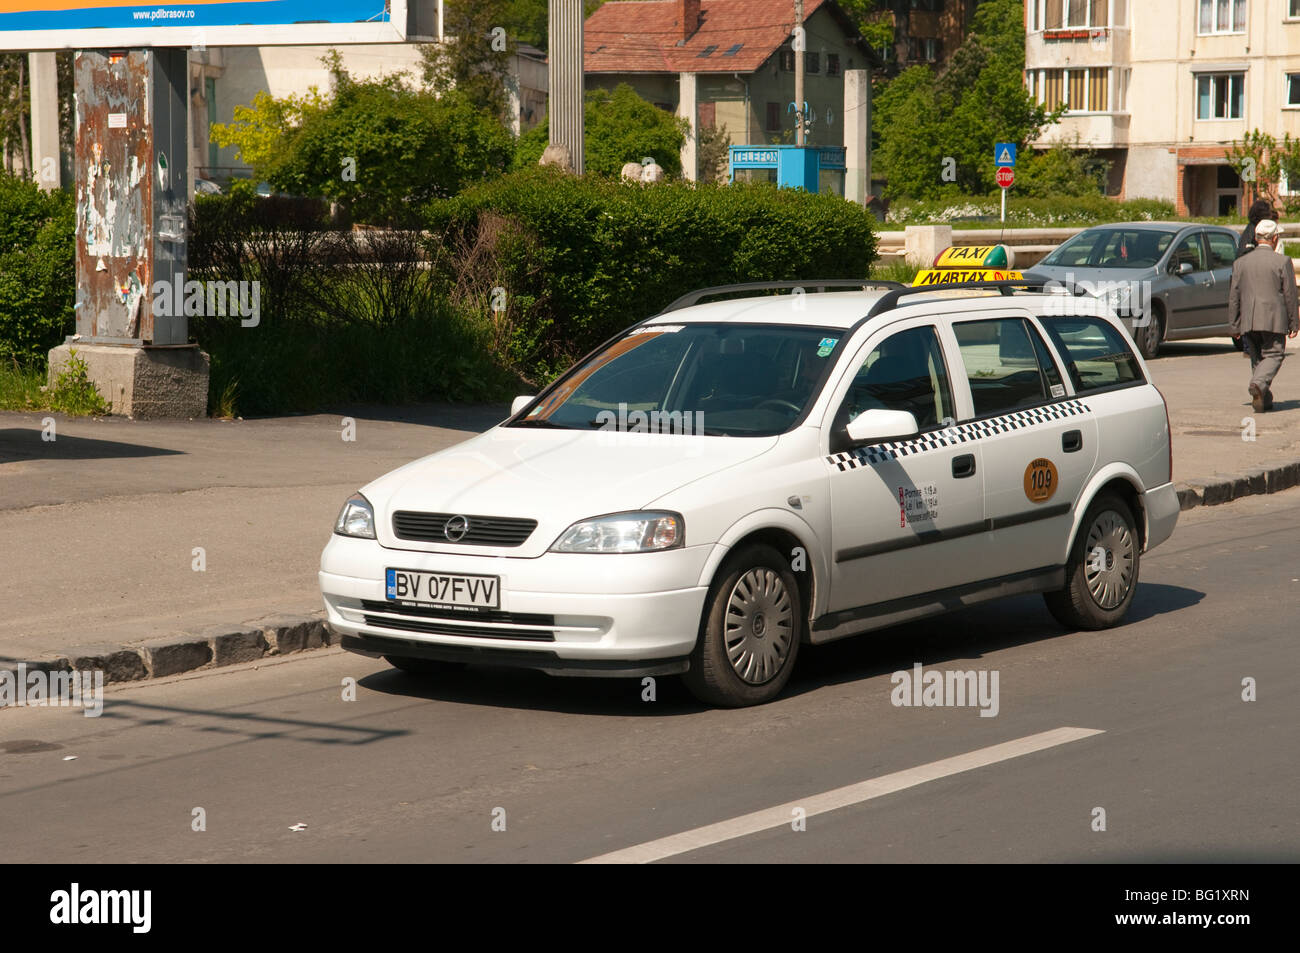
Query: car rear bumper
[(1162, 509)]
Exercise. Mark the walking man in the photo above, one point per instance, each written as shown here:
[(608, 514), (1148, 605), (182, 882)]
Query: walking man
[(1262, 309)]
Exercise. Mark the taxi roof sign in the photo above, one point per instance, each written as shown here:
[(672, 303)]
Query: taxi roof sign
[(938, 277), (975, 256)]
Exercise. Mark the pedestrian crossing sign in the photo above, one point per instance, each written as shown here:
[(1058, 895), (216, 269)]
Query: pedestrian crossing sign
[(1004, 155)]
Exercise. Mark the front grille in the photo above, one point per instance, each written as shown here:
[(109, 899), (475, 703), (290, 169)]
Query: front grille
[(483, 530), (463, 615), (409, 624)]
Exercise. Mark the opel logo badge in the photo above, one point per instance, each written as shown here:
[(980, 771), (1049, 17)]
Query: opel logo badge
[(456, 529)]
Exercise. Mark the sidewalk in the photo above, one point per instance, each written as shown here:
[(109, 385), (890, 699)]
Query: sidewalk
[(98, 529)]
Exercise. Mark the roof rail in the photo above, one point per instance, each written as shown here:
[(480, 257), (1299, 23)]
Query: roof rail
[(813, 285), (890, 300)]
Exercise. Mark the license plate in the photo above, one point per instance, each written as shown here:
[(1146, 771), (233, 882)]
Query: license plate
[(409, 587)]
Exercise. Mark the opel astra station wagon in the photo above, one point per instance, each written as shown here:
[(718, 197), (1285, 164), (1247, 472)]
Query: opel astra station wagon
[(729, 480)]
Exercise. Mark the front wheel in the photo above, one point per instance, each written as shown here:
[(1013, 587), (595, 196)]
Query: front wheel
[(750, 633), (1150, 337), (1101, 574)]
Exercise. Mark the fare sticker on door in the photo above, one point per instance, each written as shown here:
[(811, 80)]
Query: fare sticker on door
[(918, 504), (1040, 480)]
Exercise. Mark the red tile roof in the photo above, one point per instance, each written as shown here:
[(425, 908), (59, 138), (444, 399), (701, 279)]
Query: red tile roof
[(641, 36)]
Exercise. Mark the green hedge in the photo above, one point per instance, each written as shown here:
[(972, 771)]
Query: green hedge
[(37, 270), (581, 258), (1063, 211)]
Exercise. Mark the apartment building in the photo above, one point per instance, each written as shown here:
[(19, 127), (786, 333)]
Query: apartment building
[(1163, 87)]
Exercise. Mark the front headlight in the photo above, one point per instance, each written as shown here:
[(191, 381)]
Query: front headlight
[(357, 518), (623, 533)]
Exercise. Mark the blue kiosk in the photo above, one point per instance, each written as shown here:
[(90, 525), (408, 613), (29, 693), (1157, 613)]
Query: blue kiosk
[(797, 167)]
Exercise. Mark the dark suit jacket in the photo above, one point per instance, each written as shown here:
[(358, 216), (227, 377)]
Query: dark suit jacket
[(1262, 295)]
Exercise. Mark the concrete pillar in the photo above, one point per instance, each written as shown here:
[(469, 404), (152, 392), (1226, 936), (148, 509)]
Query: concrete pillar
[(566, 78), (857, 135), (922, 243), (132, 173), (45, 120), (687, 108)]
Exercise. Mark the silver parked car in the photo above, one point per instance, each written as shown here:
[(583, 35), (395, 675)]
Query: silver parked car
[(1179, 271)]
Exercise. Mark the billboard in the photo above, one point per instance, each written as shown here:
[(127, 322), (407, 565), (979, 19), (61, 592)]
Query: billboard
[(132, 24)]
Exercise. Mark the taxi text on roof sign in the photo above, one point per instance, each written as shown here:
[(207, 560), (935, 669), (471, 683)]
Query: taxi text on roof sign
[(963, 276), (973, 256)]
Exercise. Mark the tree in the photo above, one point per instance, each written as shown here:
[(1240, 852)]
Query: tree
[(474, 58), (528, 20), (938, 131), (379, 148), (619, 127)]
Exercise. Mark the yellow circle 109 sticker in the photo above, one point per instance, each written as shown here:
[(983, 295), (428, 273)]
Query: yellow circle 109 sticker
[(1040, 480)]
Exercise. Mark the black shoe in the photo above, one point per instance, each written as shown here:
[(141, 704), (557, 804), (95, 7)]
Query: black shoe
[(1256, 398), (1268, 399)]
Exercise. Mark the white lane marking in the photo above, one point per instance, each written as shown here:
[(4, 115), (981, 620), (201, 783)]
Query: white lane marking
[(781, 815)]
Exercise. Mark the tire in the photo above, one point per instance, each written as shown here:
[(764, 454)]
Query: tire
[(423, 666), (754, 601), (1150, 337), (1096, 598)]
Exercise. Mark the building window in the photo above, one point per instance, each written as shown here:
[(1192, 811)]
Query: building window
[(773, 117), (787, 61), (1293, 9), (924, 49), (812, 62), (833, 63), (1071, 14), (1222, 16), (1293, 88), (1081, 90), (1220, 95)]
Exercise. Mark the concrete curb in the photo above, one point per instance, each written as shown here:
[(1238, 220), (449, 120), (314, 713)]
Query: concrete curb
[(1226, 487), (208, 647)]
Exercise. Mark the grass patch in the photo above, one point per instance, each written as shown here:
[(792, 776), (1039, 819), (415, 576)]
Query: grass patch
[(899, 271), (21, 388)]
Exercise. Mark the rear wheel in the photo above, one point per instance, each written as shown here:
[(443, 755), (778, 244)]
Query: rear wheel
[(750, 633), (423, 666), (1101, 574)]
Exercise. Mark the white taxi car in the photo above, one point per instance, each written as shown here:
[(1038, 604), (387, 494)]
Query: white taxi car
[(728, 480)]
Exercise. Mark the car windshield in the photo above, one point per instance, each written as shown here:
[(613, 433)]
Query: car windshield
[(742, 380), (1112, 247)]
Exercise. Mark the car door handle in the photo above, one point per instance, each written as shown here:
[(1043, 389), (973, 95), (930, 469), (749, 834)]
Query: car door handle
[(963, 465), (1071, 441)]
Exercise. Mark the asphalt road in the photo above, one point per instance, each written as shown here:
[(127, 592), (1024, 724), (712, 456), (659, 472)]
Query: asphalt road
[(415, 770)]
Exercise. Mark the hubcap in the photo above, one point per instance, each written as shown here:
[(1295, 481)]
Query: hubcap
[(759, 625), (1109, 583)]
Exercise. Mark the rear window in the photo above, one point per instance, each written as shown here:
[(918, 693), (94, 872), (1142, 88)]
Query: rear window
[(1097, 354)]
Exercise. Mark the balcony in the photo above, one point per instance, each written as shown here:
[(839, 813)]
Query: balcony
[(1099, 46), (1100, 130)]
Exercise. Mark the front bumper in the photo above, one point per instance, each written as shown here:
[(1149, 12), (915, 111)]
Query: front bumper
[(562, 613)]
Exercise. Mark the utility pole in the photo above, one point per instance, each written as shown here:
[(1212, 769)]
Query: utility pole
[(800, 44)]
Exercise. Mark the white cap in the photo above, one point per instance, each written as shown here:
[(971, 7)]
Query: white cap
[(1267, 228)]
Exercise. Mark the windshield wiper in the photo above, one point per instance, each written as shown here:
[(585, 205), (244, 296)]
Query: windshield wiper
[(539, 422)]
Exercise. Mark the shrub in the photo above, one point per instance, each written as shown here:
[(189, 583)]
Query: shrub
[(37, 270), (74, 392), (578, 259)]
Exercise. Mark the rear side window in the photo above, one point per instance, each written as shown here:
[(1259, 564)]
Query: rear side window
[(1002, 365), (1096, 353), (1223, 250)]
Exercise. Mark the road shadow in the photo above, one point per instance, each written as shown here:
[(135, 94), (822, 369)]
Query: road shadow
[(244, 726), (1198, 348), (469, 418), (23, 443), (963, 635)]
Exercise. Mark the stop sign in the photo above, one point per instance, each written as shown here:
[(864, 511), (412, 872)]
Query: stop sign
[(1005, 177)]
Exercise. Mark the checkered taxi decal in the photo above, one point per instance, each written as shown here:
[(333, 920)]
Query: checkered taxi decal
[(958, 434)]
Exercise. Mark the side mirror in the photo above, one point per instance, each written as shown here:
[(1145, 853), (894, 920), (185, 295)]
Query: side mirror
[(873, 426), (519, 403), (1182, 268)]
